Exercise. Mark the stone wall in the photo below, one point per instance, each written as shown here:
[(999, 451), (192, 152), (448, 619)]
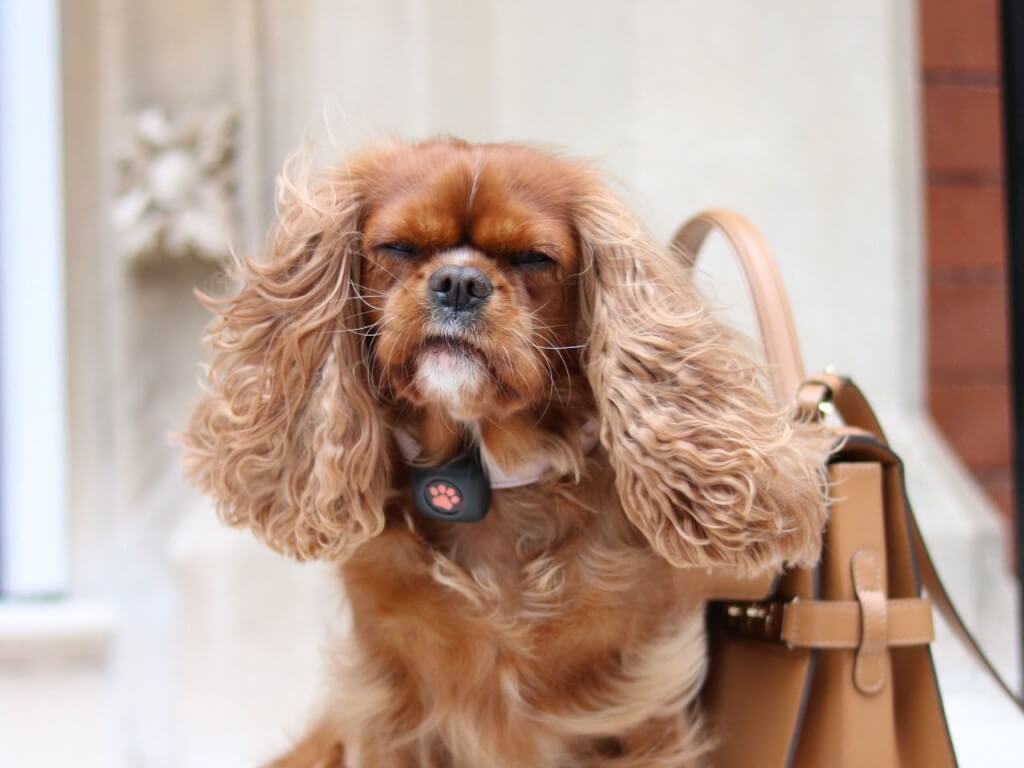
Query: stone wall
[(802, 114)]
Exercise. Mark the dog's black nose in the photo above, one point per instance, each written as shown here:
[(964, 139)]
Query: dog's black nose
[(459, 288)]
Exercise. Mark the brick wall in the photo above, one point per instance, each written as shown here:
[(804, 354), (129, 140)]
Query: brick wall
[(968, 368)]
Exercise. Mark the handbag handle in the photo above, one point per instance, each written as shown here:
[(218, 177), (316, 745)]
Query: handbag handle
[(785, 367), (774, 318)]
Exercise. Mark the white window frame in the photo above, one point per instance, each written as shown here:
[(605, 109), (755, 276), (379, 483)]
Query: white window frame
[(33, 382)]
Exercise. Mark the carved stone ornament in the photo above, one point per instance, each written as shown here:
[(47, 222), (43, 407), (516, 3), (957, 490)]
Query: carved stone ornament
[(177, 187)]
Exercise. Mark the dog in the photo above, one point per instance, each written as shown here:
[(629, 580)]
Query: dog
[(468, 377)]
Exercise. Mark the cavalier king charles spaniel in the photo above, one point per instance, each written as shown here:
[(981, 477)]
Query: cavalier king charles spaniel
[(468, 377)]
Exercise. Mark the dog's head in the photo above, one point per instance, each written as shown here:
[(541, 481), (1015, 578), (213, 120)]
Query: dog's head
[(502, 292), (469, 285)]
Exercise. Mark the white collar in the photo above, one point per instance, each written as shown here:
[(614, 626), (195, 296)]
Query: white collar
[(525, 474)]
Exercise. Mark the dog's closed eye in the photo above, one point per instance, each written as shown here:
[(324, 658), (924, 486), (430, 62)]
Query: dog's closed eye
[(398, 250), (531, 260)]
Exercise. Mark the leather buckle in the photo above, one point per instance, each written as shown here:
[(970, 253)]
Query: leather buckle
[(814, 400)]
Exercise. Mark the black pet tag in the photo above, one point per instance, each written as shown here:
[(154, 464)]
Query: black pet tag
[(457, 492)]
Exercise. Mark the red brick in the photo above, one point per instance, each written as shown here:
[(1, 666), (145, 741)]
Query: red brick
[(959, 35), (975, 418), (966, 227), (966, 327), (962, 128)]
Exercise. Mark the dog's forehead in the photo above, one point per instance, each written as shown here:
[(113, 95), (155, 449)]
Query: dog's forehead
[(499, 195), (465, 174)]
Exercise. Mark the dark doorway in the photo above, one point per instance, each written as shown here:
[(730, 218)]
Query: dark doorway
[(1013, 100)]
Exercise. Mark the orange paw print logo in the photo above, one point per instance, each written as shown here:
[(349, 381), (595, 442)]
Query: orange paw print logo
[(444, 497)]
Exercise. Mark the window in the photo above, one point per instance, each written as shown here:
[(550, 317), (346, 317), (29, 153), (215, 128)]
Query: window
[(33, 551)]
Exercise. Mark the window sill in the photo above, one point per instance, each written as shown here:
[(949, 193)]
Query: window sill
[(71, 629)]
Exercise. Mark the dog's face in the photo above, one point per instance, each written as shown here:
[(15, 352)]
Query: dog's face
[(470, 280), (480, 283)]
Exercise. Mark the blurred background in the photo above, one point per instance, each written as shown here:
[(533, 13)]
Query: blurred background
[(139, 141)]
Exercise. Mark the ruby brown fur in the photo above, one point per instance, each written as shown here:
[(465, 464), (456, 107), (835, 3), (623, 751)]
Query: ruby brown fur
[(566, 628)]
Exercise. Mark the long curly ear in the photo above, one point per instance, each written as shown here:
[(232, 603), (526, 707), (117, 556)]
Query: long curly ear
[(706, 467), (289, 438)]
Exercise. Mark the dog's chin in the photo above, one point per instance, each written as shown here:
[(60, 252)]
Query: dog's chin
[(452, 376)]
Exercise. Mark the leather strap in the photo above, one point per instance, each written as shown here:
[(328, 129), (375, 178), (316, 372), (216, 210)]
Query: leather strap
[(774, 318), (833, 624), (836, 624), (869, 666), (782, 350)]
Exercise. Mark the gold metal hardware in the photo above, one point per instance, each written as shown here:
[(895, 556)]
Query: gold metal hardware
[(756, 619)]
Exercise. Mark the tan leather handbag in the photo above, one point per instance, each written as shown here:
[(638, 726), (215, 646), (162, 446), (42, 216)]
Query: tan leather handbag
[(830, 666)]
